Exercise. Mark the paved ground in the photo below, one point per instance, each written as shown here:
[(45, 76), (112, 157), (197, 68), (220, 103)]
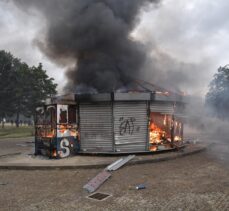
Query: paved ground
[(196, 182), (12, 146), (18, 154)]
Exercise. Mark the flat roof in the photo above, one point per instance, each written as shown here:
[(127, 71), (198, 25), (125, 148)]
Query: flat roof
[(130, 96), (73, 98)]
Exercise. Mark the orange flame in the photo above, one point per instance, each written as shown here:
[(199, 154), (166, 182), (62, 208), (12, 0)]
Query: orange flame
[(156, 134), (65, 128), (54, 153)]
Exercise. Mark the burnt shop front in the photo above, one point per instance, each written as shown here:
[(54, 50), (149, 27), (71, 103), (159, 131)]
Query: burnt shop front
[(110, 123), (56, 128)]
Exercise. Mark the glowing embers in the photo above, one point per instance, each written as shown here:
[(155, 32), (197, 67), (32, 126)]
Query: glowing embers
[(177, 138), (45, 131), (178, 130), (54, 153), (50, 133), (153, 148), (65, 130)]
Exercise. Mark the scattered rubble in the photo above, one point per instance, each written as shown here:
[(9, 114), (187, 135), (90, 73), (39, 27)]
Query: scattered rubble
[(100, 178)]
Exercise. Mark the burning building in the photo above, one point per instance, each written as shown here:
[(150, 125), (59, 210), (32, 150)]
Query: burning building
[(94, 40), (110, 123)]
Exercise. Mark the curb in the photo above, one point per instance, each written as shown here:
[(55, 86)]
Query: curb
[(10, 154), (102, 165)]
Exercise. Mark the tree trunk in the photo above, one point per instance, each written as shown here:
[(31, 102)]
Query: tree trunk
[(2, 121), (17, 119)]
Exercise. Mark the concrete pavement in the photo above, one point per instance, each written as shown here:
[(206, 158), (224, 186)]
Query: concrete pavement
[(21, 157), (13, 146)]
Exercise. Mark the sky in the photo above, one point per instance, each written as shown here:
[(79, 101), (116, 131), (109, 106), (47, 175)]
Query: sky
[(186, 41), (18, 32)]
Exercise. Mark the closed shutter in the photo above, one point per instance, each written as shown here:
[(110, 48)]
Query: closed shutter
[(96, 127), (130, 126), (162, 107)]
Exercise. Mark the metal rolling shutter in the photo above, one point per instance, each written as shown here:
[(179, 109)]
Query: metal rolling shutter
[(130, 126), (96, 127), (162, 107)]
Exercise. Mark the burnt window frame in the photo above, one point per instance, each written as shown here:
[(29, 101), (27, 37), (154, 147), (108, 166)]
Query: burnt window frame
[(65, 109), (72, 109), (53, 115)]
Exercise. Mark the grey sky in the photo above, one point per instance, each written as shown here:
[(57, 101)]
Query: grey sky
[(191, 32), (186, 41), (17, 34)]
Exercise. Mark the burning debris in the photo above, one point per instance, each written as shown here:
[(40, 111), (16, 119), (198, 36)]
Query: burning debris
[(162, 127)]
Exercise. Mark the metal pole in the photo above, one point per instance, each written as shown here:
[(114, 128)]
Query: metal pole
[(113, 119), (148, 129), (172, 131)]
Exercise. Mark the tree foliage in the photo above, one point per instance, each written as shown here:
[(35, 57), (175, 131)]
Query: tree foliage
[(217, 98), (22, 88)]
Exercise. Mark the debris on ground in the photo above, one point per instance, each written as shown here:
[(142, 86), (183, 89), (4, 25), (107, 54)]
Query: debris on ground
[(100, 178), (97, 181), (141, 186), (119, 163)]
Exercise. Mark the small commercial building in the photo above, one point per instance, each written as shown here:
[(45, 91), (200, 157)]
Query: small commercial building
[(110, 123)]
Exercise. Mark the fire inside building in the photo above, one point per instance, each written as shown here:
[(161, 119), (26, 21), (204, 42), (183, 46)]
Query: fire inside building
[(110, 123)]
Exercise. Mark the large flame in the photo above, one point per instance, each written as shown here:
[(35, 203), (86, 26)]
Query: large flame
[(156, 134)]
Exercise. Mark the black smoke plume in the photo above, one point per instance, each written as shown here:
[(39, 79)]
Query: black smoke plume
[(95, 35)]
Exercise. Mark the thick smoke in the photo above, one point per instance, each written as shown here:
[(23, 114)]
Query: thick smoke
[(95, 36), (162, 69)]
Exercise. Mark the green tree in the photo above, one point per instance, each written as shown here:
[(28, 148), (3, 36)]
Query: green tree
[(6, 94), (217, 98), (42, 87), (21, 82), (22, 87)]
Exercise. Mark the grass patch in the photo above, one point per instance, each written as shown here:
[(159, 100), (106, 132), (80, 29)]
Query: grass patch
[(14, 132)]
